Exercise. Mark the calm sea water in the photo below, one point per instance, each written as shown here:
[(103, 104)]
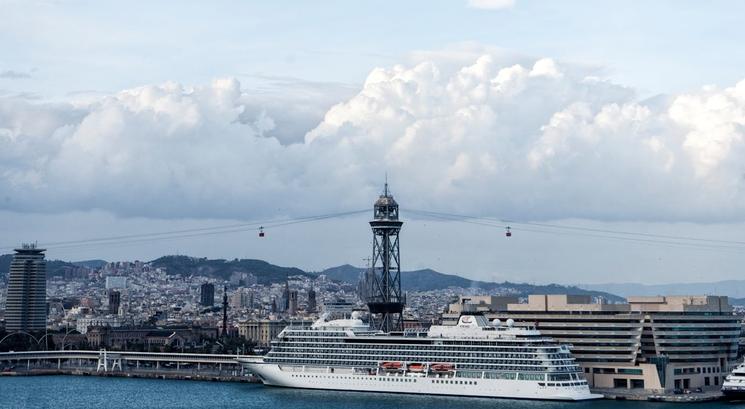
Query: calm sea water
[(94, 392)]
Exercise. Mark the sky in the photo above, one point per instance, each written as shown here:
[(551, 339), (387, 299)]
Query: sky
[(610, 136)]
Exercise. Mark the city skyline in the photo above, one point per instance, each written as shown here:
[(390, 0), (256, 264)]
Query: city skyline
[(507, 115)]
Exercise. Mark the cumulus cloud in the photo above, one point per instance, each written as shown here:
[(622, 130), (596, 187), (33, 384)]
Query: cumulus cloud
[(491, 4), (535, 139), (293, 105)]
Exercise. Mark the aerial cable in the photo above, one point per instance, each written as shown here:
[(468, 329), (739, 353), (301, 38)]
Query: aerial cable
[(194, 232), (490, 222), (589, 229)]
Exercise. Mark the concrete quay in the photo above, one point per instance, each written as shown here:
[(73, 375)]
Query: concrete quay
[(145, 374), (707, 395)]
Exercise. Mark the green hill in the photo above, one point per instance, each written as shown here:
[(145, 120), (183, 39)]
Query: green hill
[(54, 267), (219, 268)]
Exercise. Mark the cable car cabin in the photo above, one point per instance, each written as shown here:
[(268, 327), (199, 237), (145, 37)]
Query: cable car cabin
[(507, 232), (261, 231)]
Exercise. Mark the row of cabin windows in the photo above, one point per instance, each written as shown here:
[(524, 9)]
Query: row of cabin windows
[(377, 378), (489, 354), (462, 366), (545, 342), (344, 346), (459, 343), (414, 356)]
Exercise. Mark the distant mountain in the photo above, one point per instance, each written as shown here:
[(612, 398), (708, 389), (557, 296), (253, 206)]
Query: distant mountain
[(54, 267), (265, 273), (730, 288), (427, 279), (345, 273), (737, 301)]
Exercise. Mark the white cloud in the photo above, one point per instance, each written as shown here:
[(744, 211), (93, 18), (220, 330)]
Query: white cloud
[(526, 140), (491, 4)]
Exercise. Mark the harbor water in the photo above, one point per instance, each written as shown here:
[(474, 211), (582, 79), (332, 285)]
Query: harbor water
[(62, 392)]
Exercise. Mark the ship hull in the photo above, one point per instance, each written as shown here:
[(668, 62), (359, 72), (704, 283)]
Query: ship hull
[(341, 380), (733, 394)]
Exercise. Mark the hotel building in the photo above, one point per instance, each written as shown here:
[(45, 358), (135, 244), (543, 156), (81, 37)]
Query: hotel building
[(26, 302)]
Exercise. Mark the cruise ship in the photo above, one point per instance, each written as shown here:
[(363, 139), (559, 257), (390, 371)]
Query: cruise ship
[(733, 386), (476, 357)]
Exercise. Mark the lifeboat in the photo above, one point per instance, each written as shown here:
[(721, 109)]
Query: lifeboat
[(416, 367), (391, 366), (442, 367)]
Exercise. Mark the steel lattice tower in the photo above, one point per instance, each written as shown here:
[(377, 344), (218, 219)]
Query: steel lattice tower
[(385, 299)]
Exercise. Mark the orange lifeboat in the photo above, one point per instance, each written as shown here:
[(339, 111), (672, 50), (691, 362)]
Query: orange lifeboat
[(391, 366), (416, 367), (442, 367)]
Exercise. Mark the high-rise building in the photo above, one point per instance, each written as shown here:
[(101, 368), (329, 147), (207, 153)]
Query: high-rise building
[(207, 295), (249, 280), (238, 299), (26, 301), (224, 311), (114, 301), (292, 307), (284, 304), (312, 300)]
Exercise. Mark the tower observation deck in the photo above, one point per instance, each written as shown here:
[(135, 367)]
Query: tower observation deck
[(385, 299)]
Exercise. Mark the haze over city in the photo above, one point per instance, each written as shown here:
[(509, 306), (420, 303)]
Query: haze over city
[(173, 118)]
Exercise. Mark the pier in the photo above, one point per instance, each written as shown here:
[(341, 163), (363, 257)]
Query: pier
[(165, 365)]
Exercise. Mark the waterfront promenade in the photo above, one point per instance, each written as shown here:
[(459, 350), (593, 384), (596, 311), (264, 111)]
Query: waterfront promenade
[(125, 363)]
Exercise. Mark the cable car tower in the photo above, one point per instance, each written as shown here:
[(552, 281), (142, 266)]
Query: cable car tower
[(385, 299)]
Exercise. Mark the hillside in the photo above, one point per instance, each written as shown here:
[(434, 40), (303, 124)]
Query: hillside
[(427, 279), (266, 273), (219, 268), (54, 267)]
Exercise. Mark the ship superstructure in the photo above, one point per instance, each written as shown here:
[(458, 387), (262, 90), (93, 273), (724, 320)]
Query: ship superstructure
[(733, 386), (473, 358)]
